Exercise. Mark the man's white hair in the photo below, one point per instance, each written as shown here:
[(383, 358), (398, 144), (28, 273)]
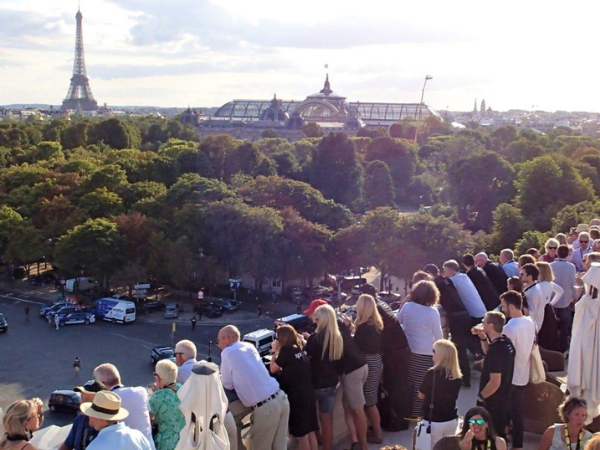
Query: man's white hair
[(188, 348), (481, 255), (107, 374)]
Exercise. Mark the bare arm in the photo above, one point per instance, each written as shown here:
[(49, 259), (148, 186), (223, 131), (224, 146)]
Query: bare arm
[(546, 438), (273, 367), (500, 443)]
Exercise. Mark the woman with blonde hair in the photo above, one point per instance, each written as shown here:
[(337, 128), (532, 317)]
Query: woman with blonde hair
[(440, 388), (421, 323), (551, 247), (21, 419), (368, 328), (551, 292), (325, 349)]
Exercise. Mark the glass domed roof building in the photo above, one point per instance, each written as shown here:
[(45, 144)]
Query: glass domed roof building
[(328, 109)]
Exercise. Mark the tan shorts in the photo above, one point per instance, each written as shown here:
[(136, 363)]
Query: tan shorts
[(353, 387)]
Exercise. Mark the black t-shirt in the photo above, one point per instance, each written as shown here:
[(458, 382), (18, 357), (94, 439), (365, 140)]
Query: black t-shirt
[(352, 358), (295, 369), (368, 338), (393, 339), (500, 358), (445, 396), (323, 371)]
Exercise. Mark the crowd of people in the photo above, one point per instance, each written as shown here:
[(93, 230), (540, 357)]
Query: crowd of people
[(389, 368)]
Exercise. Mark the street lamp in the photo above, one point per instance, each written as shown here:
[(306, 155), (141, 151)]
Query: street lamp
[(427, 78)]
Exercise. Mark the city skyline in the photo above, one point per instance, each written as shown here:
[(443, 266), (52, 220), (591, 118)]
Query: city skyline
[(146, 52)]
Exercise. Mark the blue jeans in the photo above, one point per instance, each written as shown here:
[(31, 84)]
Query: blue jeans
[(325, 399)]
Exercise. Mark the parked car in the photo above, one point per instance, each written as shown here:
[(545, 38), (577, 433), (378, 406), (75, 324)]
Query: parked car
[(62, 312), (55, 307), (162, 352), (153, 305), (46, 277), (3, 323), (209, 310), (389, 297), (65, 400), (77, 317), (315, 292), (228, 306), (172, 311), (300, 322)]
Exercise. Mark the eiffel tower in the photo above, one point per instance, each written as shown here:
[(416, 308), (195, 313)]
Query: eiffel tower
[(79, 97)]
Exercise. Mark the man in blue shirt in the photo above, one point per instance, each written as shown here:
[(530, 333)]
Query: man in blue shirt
[(82, 433)]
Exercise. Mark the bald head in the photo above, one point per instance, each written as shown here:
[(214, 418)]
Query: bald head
[(228, 335)]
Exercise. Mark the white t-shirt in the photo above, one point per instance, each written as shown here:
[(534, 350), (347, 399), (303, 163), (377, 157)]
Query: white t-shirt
[(135, 400), (521, 331)]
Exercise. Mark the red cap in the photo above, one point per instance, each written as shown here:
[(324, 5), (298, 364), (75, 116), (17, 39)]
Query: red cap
[(314, 305)]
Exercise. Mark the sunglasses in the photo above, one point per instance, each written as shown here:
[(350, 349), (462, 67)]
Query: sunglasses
[(177, 353), (551, 248), (583, 242), (480, 422)]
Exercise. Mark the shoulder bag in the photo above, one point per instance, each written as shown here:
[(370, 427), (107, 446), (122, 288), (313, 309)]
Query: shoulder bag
[(423, 428), (537, 374)]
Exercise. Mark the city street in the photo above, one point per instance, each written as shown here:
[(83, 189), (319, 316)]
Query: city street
[(37, 359)]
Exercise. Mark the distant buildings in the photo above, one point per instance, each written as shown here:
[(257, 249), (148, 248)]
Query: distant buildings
[(247, 119)]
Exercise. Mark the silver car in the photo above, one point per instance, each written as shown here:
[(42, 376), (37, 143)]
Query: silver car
[(172, 311)]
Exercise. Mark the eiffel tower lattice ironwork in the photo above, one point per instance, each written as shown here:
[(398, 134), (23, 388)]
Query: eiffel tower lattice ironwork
[(79, 97)]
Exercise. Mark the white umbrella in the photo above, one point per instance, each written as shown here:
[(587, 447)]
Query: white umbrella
[(204, 405)]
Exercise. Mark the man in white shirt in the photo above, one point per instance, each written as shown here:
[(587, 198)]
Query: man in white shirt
[(134, 399), (521, 331), (185, 358), (533, 294), (105, 414), (243, 370), (509, 265)]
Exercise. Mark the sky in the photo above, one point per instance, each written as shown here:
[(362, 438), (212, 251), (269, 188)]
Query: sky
[(525, 54)]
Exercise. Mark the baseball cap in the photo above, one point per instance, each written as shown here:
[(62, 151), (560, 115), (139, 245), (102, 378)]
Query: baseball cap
[(314, 305), (90, 387)]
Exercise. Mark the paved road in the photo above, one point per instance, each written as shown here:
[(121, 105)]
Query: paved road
[(37, 359)]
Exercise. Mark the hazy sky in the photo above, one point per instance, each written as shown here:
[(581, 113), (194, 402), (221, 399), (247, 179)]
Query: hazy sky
[(513, 54)]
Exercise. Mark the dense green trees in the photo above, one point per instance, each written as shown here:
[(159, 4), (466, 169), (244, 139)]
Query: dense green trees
[(336, 170), (151, 197)]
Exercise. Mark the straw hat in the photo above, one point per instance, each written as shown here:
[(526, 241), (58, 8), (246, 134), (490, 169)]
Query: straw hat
[(582, 227), (106, 405)]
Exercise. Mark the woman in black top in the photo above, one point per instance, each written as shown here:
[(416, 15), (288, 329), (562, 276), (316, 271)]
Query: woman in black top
[(439, 390), (292, 368), (325, 349), (478, 433), (367, 335)]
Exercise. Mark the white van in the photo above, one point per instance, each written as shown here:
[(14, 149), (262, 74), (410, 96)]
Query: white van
[(114, 310), (261, 339), (82, 283)]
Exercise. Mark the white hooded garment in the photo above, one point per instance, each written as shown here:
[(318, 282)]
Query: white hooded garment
[(583, 379), (204, 405)]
